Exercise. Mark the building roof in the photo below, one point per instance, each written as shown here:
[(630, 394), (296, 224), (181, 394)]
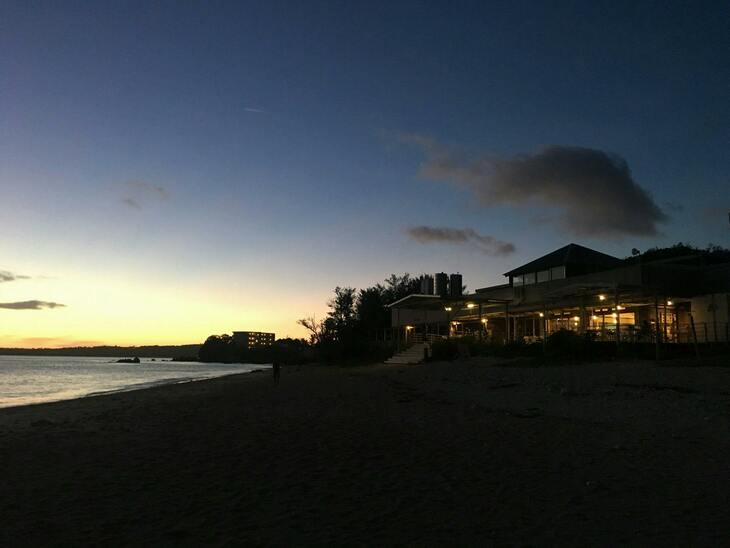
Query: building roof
[(570, 254)]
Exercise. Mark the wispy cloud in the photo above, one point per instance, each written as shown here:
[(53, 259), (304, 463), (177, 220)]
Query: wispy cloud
[(139, 193), (488, 245), (31, 305), (254, 110), (53, 342), (6, 276), (594, 191)]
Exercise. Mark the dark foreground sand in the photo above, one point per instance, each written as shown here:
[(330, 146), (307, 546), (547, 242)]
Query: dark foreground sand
[(462, 453)]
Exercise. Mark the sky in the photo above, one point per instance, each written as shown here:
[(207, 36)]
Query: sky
[(171, 170)]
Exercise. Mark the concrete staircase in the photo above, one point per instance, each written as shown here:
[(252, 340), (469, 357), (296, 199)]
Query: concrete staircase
[(412, 354)]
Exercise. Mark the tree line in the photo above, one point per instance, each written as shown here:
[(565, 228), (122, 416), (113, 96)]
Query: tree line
[(355, 317)]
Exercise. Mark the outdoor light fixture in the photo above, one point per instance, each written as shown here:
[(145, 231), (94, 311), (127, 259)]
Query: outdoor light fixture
[(601, 297), (448, 309), (619, 307), (594, 317), (670, 303), (542, 315), (470, 305), (484, 320), (576, 318)]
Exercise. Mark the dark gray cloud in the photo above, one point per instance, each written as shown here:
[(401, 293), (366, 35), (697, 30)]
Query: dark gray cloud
[(6, 276), (138, 193), (31, 305), (594, 191), (460, 236)]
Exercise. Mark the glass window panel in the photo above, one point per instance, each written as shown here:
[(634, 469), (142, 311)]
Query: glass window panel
[(530, 278), (518, 280), (557, 272), (543, 276)]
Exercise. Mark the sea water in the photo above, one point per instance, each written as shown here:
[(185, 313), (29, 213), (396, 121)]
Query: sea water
[(37, 379)]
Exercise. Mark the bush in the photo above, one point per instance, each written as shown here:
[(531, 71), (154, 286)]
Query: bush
[(565, 343), (444, 350)]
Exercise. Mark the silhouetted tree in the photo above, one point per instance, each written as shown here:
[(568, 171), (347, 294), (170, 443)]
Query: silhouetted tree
[(370, 308), (397, 287), (342, 307), (218, 348), (712, 254), (354, 317), (318, 330)]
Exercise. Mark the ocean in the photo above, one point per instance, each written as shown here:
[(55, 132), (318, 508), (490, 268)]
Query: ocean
[(37, 379)]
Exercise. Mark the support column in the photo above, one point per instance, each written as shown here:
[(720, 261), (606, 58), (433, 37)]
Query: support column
[(618, 316), (658, 329), (481, 325), (506, 323)]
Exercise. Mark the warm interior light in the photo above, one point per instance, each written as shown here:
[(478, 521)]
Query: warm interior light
[(619, 307), (448, 309), (470, 305), (542, 315), (594, 317), (601, 297), (670, 303), (614, 315), (576, 318), (484, 320)]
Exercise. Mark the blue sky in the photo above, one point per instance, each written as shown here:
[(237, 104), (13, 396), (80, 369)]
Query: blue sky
[(275, 133)]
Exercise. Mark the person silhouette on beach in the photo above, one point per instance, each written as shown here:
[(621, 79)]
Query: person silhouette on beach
[(277, 372)]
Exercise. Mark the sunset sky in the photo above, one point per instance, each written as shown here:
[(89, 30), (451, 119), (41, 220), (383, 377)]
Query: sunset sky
[(172, 170)]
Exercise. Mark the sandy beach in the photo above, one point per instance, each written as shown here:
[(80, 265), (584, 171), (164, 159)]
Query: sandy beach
[(445, 453)]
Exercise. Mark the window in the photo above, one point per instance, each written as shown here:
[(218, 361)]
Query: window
[(518, 280), (530, 278), (557, 272), (543, 276)]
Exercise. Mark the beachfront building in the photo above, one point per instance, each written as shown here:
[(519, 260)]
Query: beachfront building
[(677, 299), (253, 339)]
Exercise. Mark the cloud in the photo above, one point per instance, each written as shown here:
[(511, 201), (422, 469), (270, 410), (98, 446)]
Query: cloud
[(460, 236), (53, 342), (139, 193), (594, 191), (673, 207), (254, 110), (31, 305), (6, 276)]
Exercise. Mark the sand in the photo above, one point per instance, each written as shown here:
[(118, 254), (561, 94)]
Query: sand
[(460, 454)]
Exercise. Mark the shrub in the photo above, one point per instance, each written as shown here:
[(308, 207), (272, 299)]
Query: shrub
[(566, 343), (444, 350)]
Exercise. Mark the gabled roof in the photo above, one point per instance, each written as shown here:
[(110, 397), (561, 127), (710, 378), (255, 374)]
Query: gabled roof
[(570, 254)]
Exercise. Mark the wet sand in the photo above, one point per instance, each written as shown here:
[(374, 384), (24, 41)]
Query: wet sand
[(460, 453)]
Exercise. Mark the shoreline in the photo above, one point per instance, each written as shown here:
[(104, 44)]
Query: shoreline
[(444, 453), (131, 388)]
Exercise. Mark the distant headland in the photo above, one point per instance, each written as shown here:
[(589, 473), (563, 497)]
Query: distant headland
[(150, 351)]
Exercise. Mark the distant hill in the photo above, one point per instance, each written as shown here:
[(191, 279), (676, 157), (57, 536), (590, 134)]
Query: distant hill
[(153, 351)]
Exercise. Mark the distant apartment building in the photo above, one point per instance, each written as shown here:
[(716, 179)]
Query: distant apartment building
[(253, 339)]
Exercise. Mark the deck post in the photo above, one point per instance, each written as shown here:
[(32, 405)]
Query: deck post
[(506, 323), (658, 332), (618, 316)]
